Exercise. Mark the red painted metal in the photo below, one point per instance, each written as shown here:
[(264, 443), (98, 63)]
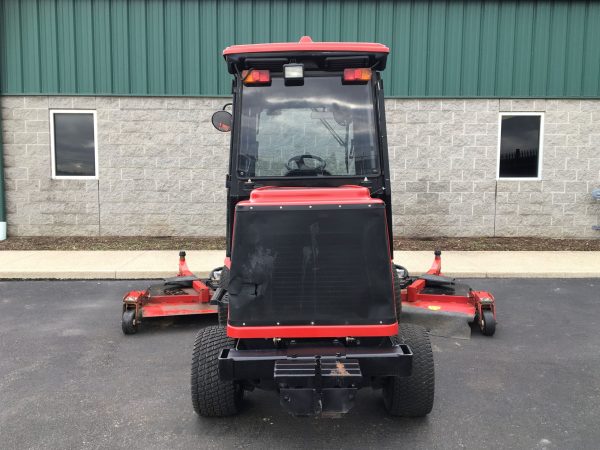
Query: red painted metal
[(194, 300), (313, 331), (184, 271), (306, 44), (203, 292), (343, 195), (176, 309), (470, 305)]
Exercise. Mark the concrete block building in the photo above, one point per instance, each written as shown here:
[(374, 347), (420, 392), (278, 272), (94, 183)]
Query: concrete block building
[(493, 111)]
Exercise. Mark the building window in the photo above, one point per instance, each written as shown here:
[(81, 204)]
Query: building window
[(73, 144), (520, 152)]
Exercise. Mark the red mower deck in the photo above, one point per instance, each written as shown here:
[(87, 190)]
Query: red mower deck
[(185, 294)]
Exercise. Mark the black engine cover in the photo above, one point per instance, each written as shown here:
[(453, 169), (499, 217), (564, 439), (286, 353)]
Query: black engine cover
[(318, 265)]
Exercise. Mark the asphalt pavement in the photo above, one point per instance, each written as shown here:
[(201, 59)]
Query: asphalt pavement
[(70, 379)]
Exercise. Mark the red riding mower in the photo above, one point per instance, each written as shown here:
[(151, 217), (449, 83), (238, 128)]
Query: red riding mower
[(309, 299)]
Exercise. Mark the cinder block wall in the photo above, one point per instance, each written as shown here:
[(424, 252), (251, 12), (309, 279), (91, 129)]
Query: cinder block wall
[(444, 158), (162, 169)]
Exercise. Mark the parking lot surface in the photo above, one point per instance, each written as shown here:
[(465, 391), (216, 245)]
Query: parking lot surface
[(70, 379)]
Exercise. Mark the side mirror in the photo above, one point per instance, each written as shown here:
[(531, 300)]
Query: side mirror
[(222, 121)]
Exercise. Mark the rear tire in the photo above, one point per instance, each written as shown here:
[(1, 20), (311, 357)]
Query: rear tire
[(212, 397), (129, 323), (412, 396)]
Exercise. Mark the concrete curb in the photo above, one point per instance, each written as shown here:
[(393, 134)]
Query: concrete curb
[(116, 265)]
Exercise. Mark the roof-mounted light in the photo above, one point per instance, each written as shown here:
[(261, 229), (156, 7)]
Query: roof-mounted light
[(293, 74), (256, 77), (357, 76)]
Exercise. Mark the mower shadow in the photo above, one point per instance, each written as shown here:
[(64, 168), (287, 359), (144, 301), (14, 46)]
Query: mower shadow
[(176, 324), (366, 425)]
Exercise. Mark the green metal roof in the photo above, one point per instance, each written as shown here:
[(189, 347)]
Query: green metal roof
[(173, 47)]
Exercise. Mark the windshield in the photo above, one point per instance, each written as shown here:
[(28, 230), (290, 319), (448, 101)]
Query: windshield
[(323, 128)]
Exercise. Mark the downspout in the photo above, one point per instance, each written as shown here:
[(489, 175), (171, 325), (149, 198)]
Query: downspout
[(2, 193)]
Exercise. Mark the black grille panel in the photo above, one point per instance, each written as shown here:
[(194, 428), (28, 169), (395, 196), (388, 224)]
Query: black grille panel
[(310, 266)]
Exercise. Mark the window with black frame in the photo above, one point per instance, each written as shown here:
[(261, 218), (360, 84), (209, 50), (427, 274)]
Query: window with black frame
[(520, 145), (73, 144), (320, 128)]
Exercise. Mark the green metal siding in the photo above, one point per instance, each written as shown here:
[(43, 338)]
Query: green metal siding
[(173, 47)]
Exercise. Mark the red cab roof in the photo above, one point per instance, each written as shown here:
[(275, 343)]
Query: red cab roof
[(306, 44)]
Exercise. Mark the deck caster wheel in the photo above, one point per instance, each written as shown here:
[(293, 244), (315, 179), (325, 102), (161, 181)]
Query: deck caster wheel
[(129, 323), (487, 323)]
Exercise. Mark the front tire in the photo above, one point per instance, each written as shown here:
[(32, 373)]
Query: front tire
[(212, 397), (412, 396)]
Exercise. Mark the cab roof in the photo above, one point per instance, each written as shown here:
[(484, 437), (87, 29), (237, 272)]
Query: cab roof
[(318, 55), (306, 44)]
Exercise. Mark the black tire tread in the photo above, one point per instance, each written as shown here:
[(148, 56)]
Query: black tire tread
[(490, 323), (224, 280), (413, 396), (223, 310), (212, 397), (127, 322), (223, 307)]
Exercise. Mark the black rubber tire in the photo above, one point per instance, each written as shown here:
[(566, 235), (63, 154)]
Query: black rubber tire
[(397, 293), (223, 307), (224, 280), (212, 397), (129, 323), (223, 310), (412, 396), (488, 324)]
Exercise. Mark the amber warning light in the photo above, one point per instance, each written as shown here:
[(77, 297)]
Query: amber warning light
[(255, 77), (357, 75)]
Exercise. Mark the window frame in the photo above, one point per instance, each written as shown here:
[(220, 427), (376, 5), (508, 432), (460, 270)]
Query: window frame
[(53, 148), (541, 145)]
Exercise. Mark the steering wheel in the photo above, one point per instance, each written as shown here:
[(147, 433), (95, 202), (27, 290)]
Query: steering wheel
[(301, 165)]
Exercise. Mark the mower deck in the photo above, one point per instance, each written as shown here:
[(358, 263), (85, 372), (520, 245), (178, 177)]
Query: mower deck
[(184, 294), (435, 301)]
